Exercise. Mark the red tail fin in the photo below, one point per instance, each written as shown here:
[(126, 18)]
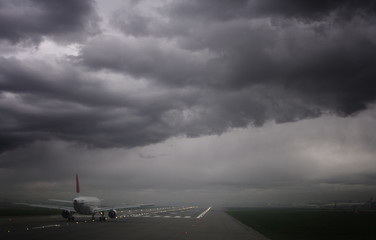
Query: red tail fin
[(77, 184)]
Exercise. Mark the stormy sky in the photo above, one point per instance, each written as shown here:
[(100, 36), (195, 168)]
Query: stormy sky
[(220, 102)]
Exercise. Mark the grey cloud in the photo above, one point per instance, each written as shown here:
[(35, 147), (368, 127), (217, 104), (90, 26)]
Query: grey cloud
[(144, 58), (324, 62), (63, 82), (135, 24), (31, 20), (311, 157), (68, 104), (221, 10), (312, 9), (187, 15), (331, 69), (309, 60), (198, 75), (183, 101), (224, 10)]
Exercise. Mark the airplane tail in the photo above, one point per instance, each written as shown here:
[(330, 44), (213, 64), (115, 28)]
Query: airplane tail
[(77, 185)]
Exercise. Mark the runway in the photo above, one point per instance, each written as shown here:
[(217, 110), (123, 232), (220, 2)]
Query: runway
[(173, 223)]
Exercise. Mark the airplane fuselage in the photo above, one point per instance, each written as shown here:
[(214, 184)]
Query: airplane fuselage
[(86, 205)]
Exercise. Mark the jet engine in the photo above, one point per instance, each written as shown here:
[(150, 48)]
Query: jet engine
[(65, 214), (112, 213)]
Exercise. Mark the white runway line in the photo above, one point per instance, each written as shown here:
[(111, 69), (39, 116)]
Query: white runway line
[(203, 213), (46, 226)]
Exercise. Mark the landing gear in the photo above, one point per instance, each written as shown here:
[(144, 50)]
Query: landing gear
[(102, 218), (68, 215)]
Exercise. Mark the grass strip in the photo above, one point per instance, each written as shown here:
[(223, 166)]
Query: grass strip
[(308, 224), (27, 211)]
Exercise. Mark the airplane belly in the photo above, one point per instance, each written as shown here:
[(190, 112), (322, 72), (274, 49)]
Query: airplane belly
[(83, 208)]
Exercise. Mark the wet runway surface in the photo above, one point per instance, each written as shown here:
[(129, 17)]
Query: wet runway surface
[(155, 223)]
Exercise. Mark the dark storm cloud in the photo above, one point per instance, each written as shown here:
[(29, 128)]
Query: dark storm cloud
[(325, 62), (312, 9), (64, 103), (223, 10), (144, 58), (30, 20), (189, 69)]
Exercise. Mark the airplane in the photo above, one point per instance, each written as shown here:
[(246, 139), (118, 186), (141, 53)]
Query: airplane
[(86, 206)]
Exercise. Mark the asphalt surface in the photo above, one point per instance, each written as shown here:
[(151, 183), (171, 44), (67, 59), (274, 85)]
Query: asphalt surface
[(157, 223)]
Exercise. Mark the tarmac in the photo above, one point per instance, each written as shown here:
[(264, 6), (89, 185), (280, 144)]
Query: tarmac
[(170, 223)]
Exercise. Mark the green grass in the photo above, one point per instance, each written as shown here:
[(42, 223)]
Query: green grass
[(308, 224), (27, 211)]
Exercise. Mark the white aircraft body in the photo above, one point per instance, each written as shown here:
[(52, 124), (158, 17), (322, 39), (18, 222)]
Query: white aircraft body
[(86, 206)]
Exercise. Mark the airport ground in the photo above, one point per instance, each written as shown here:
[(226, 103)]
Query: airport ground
[(309, 223), (194, 223), (157, 223)]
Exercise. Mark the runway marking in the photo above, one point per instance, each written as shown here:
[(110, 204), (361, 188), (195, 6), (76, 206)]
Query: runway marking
[(152, 213), (167, 216), (47, 226), (203, 213)]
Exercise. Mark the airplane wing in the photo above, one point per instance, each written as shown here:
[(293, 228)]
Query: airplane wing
[(124, 207), (70, 209), (59, 200)]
